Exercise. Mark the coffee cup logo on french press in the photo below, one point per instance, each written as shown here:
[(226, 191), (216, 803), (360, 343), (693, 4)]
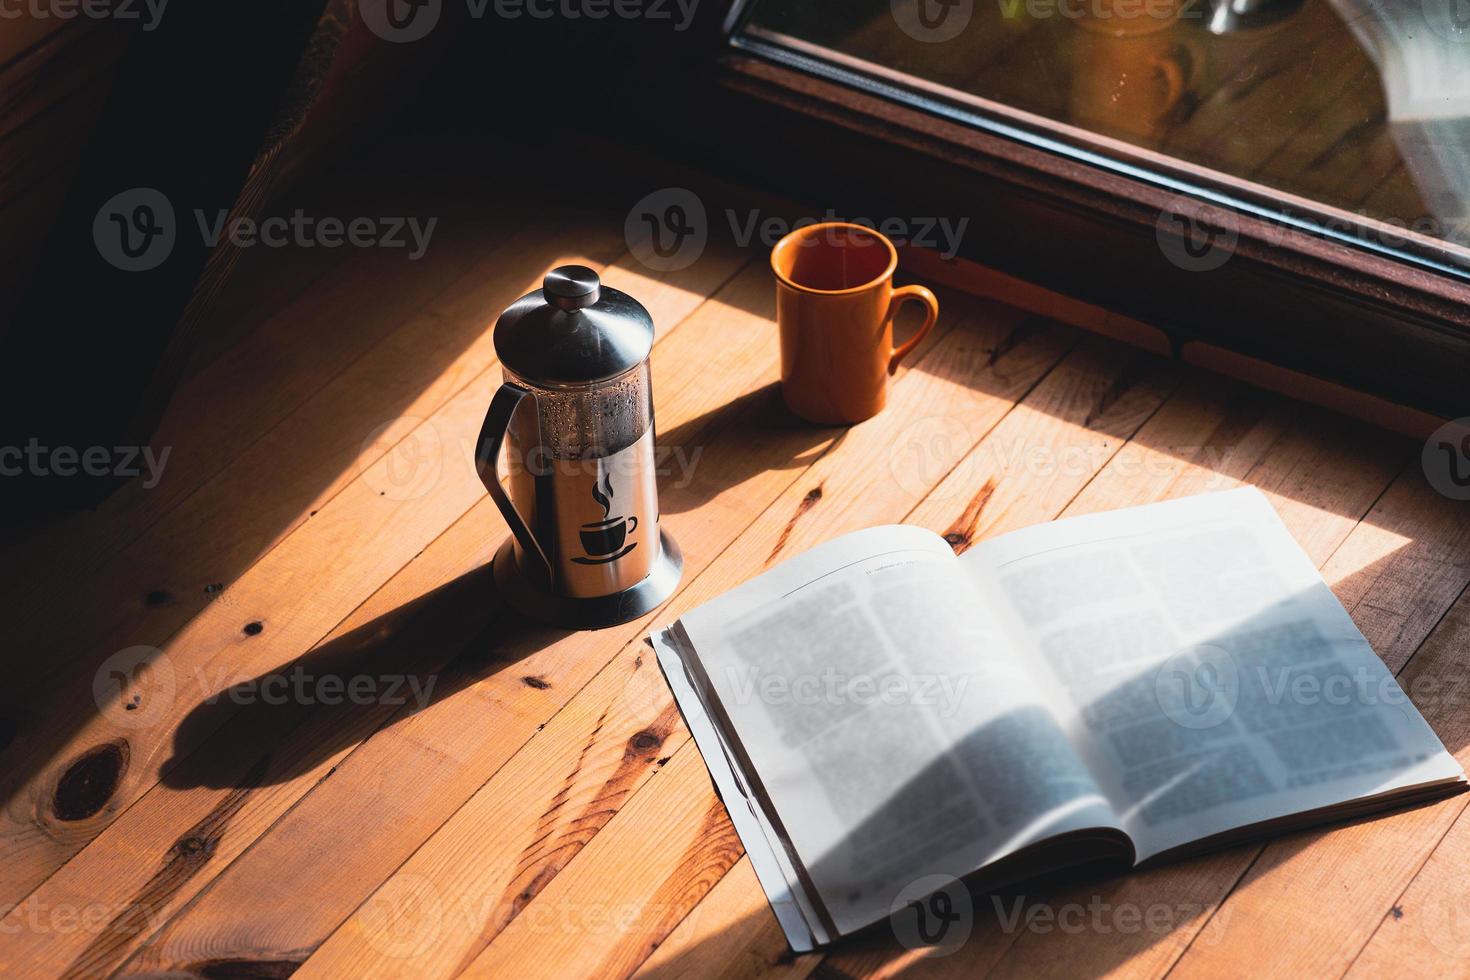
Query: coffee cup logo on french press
[(603, 540), (575, 415)]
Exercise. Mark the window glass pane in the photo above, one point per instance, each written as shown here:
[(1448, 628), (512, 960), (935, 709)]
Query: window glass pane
[(1350, 116)]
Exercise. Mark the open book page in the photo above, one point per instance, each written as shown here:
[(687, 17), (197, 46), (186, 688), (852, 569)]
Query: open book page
[(1215, 681), (882, 721)]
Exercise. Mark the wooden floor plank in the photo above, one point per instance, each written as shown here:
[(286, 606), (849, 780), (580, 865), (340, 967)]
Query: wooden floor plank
[(296, 593), (1403, 567), (634, 905), (492, 673), (241, 396), (214, 534), (1425, 930), (506, 843), (162, 816), (727, 936), (163, 850)]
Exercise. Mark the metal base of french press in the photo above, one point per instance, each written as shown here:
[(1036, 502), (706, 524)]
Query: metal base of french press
[(589, 614)]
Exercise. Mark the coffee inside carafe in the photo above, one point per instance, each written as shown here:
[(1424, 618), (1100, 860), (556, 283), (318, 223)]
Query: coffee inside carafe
[(597, 421)]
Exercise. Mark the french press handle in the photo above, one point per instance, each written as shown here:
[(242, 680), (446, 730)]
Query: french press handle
[(487, 464)]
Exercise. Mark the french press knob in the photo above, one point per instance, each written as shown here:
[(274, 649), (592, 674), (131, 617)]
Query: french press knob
[(578, 489)]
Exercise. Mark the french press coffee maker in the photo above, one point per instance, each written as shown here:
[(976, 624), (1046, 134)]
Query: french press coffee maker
[(576, 417)]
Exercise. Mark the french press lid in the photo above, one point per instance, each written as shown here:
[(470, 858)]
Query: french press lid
[(573, 331)]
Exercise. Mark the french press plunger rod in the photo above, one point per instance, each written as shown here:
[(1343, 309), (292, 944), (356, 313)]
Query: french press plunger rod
[(576, 417)]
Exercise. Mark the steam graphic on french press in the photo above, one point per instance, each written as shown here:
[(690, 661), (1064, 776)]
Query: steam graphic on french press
[(575, 419)]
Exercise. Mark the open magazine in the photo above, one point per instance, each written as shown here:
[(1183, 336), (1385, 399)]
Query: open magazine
[(1121, 687)]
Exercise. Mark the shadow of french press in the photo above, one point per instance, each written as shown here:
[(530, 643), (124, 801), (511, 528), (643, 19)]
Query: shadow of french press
[(281, 724)]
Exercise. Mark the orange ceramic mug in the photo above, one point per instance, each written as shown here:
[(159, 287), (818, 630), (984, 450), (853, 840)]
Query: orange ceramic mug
[(835, 303)]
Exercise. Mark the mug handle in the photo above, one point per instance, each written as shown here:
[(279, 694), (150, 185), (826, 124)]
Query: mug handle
[(487, 465), (1175, 84), (632, 523), (931, 306), (1178, 67)]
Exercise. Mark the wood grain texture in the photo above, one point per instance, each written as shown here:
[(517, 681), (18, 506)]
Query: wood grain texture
[(1100, 391), (552, 666), (1424, 931), (540, 810), (452, 747), (1230, 439), (1196, 913), (667, 301), (245, 395), (497, 864), (323, 585), (1207, 437), (730, 934), (634, 904), (1314, 899)]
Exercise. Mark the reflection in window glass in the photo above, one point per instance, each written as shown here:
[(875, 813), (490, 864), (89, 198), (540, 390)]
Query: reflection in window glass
[(1362, 106)]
